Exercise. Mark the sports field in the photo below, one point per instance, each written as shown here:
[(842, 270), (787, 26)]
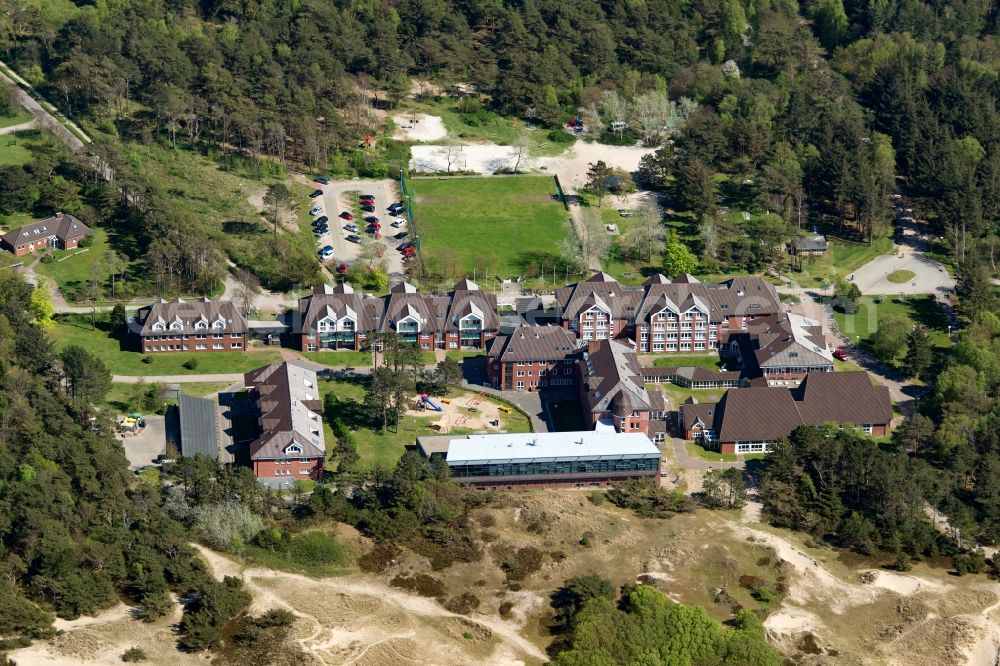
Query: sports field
[(510, 225)]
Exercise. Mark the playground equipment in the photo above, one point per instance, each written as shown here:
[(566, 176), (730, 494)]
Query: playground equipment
[(446, 401), (505, 410), (427, 400)]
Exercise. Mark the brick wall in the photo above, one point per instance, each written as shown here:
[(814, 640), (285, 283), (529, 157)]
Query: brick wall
[(162, 346), (292, 469)]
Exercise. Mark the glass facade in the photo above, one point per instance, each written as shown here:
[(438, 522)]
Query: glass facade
[(506, 468)]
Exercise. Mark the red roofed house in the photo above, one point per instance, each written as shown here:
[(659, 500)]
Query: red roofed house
[(62, 232), (290, 443)]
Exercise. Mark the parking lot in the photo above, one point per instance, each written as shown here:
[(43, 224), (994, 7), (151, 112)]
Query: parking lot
[(143, 448), (335, 201)]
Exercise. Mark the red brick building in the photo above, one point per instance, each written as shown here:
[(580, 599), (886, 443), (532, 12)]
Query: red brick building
[(61, 231), (190, 326), (337, 318), (749, 420), (663, 315), (532, 358), (290, 443)]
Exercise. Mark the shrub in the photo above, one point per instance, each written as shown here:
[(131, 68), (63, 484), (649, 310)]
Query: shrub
[(47, 258), (318, 548), (505, 609), (191, 364), (597, 497), (147, 359), (627, 138), (134, 655), (587, 538), (902, 562), (520, 563), (463, 604), (421, 583), (974, 562), (229, 525), (764, 594), (561, 137), (379, 558)]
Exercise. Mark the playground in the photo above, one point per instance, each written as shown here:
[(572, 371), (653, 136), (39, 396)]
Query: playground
[(465, 412)]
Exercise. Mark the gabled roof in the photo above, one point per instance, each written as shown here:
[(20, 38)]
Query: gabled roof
[(289, 408), (783, 340), (188, 313), (810, 243), (199, 431), (613, 378), (468, 298), (62, 225), (756, 413), (619, 301), (339, 302), (842, 397), (534, 343)]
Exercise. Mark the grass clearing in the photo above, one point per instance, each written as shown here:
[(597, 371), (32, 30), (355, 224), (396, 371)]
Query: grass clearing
[(340, 358), (508, 224), (917, 309), (18, 149), (678, 394), (121, 359), (16, 119), (384, 448), (711, 362), (698, 451), (900, 277)]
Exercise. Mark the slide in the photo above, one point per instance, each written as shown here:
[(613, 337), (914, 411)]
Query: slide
[(426, 398)]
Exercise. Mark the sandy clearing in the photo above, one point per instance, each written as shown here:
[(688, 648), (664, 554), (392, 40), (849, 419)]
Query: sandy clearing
[(482, 158), (419, 127), (119, 612), (382, 597), (572, 165), (903, 584), (457, 414), (791, 620)]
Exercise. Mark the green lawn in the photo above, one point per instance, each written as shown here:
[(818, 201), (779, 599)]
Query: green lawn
[(900, 277), (918, 309), (709, 361), (17, 119), (841, 259), (678, 394), (72, 269), (121, 394), (378, 448), (17, 148), (76, 329), (461, 355), (341, 358), (697, 451), (508, 225)]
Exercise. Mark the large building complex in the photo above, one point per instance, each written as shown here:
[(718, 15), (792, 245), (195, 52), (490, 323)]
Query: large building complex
[(612, 391), (532, 358), (335, 318), (187, 326), (782, 349), (574, 459), (751, 419), (663, 315), (290, 443)]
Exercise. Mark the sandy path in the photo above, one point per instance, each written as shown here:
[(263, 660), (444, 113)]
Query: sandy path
[(427, 128), (355, 588)]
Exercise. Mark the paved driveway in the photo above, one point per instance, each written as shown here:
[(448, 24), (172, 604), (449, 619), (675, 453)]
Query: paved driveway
[(336, 201), (930, 277), (143, 448)]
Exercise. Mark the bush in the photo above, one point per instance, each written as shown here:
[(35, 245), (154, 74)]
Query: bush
[(520, 563), (597, 497), (213, 606), (191, 364), (421, 583), (47, 258), (587, 539), (379, 558), (560, 137), (974, 562), (134, 655), (463, 604), (147, 359), (764, 594), (505, 609), (627, 138), (648, 500), (902, 562), (229, 526), (318, 548)]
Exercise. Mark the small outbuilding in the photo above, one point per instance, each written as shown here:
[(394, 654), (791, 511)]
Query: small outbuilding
[(813, 245)]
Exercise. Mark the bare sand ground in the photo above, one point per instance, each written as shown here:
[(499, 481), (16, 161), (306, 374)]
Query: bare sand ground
[(419, 127), (468, 412)]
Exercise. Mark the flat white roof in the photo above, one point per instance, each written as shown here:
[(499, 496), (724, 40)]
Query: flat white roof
[(585, 444)]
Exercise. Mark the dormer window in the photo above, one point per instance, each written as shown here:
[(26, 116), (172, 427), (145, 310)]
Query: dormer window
[(158, 326), (201, 325), (176, 326), (219, 323), (293, 448)]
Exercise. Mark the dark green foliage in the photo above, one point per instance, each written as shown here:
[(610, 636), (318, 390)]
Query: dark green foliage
[(463, 604), (724, 489), (86, 375), (74, 531), (215, 604), (646, 627), (134, 655), (575, 592), (919, 353), (421, 583), (318, 548), (518, 563), (648, 500)]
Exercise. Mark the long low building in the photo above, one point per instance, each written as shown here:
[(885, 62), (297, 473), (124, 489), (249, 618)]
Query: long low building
[(575, 459)]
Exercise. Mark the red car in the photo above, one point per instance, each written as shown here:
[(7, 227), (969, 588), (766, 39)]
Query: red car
[(840, 354), (408, 252), (346, 216), (341, 269)]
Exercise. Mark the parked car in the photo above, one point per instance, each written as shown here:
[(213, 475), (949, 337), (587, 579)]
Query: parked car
[(322, 219), (320, 231), (367, 197), (395, 208), (840, 354), (346, 216), (401, 235), (351, 227), (316, 210), (315, 193), (409, 252), (399, 223), (370, 218), (326, 252), (322, 180), (368, 208), (354, 238)]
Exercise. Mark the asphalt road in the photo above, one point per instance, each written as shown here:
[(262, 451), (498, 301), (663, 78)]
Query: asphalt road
[(335, 201)]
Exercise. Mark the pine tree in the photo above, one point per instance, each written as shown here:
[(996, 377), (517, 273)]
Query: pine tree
[(919, 354)]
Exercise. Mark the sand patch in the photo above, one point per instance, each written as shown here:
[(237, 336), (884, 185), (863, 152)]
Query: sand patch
[(468, 412), (903, 584), (419, 127)]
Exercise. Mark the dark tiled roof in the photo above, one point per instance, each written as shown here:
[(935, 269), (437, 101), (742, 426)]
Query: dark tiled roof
[(188, 313), (339, 302), (63, 226), (842, 397), (534, 343), (199, 431), (289, 408), (609, 370), (467, 298), (811, 243), (692, 412)]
